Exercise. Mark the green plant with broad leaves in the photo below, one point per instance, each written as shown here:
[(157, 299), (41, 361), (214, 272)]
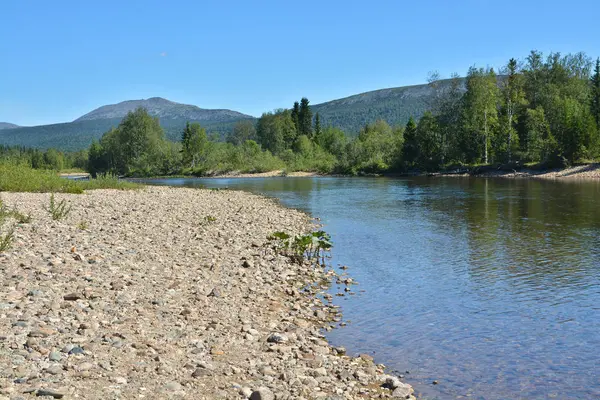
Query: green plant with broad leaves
[(314, 246)]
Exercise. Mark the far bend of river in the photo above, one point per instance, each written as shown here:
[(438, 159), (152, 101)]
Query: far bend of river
[(489, 286)]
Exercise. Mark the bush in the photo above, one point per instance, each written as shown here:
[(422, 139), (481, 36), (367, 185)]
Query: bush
[(21, 178)]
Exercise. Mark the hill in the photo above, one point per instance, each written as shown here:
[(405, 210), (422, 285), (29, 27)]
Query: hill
[(394, 105), (163, 109), (79, 134), (7, 125)]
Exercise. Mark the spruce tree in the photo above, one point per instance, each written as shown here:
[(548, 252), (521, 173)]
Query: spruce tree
[(317, 125), (596, 93), (305, 118), (410, 147), (296, 117)]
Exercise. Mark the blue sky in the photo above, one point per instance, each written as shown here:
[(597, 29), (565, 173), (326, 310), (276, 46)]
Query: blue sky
[(60, 59)]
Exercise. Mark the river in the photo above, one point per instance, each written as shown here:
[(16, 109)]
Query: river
[(491, 287)]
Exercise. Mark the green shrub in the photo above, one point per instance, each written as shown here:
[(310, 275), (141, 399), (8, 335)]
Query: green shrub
[(58, 210), (313, 247), (7, 239), (22, 178)]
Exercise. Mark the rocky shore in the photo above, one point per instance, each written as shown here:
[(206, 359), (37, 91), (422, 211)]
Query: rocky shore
[(169, 293), (585, 171)]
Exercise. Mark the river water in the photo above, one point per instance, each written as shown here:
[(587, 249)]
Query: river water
[(491, 287)]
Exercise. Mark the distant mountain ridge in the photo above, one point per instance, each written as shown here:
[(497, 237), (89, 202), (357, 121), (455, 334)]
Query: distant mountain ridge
[(394, 105), (162, 108), (8, 125), (80, 133)]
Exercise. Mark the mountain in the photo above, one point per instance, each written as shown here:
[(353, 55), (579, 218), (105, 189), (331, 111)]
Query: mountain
[(79, 134), (394, 105), (163, 109), (7, 125)]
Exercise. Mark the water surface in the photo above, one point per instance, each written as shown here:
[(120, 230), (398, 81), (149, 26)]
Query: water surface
[(489, 286)]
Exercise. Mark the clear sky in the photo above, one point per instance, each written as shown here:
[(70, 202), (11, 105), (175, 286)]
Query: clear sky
[(60, 59)]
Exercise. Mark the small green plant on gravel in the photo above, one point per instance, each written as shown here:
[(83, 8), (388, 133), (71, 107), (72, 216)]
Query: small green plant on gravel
[(20, 217), (58, 210), (14, 213), (208, 219), (7, 239), (313, 247), (83, 225)]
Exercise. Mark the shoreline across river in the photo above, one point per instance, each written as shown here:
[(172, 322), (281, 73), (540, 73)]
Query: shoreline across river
[(169, 293)]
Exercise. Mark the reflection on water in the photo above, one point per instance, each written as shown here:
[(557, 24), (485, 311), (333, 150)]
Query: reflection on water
[(491, 287)]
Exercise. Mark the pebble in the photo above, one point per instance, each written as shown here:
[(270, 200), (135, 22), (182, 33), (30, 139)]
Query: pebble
[(262, 393), (137, 322), (277, 338)]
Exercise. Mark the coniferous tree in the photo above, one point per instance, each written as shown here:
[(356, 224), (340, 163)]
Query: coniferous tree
[(595, 81), (410, 147), (317, 126), (305, 118), (296, 117)]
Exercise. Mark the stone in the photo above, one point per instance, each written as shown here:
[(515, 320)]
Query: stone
[(201, 372), (67, 348), (42, 332), (54, 369), (247, 264), (57, 394), (72, 296), (54, 356), (262, 393), (246, 392), (76, 350), (119, 380), (277, 338), (403, 391), (214, 293)]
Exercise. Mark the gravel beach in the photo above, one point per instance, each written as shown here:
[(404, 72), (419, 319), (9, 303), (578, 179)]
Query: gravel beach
[(169, 293)]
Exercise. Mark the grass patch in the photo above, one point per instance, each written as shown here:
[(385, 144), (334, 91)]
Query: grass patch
[(108, 181), (6, 240), (19, 178)]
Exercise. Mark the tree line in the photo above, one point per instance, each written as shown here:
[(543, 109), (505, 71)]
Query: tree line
[(543, 110), (50, 159)]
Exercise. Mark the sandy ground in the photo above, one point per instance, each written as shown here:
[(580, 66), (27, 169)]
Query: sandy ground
[(169, 293)]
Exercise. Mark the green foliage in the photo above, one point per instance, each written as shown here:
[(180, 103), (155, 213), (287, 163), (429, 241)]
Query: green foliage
[(595, 95), (304, 127), (83, 225), (21, 178), (208, 219), (6, 240), (58, 210), (276, 131), (313, 247), (194, 143), (14, 213), (376, 149), (108, 181), (137, 147), (410, 147), (242, 132)]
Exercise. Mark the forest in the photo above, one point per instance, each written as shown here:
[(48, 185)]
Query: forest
[(543, 110)]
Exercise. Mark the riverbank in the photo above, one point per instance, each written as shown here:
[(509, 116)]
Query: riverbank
[(168, 293)]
